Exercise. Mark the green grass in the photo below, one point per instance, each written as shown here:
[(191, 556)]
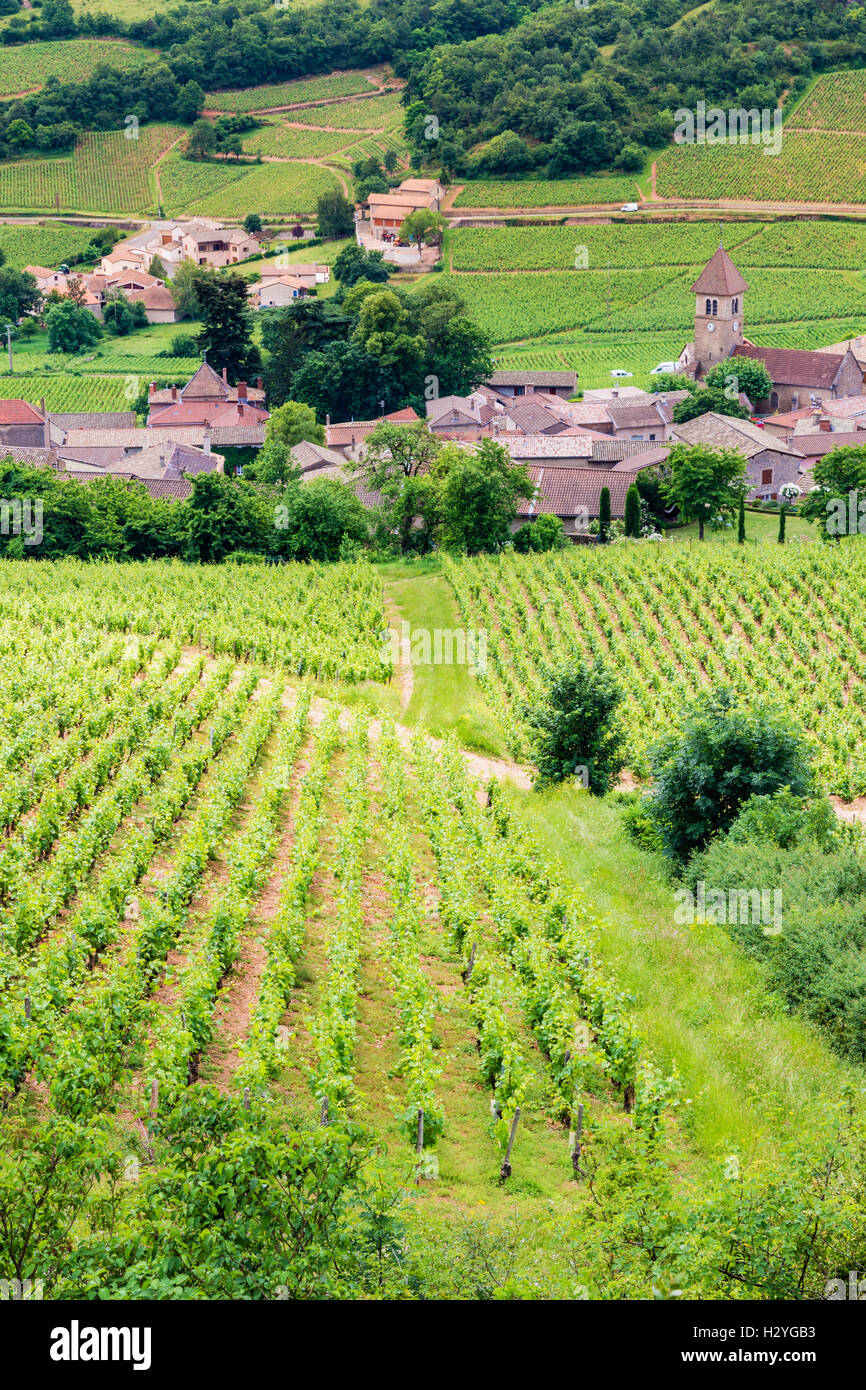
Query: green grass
[(700, 1002), (445, 699), (761, 527)]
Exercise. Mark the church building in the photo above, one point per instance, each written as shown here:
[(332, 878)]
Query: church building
[(799, 378)]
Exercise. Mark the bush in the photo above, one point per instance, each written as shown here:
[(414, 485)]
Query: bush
[(724, 753), (576, 726)]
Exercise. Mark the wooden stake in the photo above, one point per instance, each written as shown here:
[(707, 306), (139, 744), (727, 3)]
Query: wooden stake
[(27, 1007), (324, 1114), (246, 1097), (575, 1153), (419, 1142), (467, 973), (154, 1098), (505, 1170)]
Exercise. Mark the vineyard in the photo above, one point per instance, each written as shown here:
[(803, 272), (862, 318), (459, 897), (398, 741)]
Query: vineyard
[(214, 874), (26, 68), (278, 94), (810, 167), (223, 190), (105, 173), (65, 392), (49, 244), (544, 193), (837, 101), (784, 627), (553, 284)]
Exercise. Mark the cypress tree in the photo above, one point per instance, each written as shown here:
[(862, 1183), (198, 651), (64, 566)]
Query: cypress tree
[(782, 513), (632, 511), (741, 522), (604, 515)]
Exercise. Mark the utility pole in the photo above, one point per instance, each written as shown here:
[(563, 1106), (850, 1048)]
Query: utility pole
[(9, 345), (607, 296)]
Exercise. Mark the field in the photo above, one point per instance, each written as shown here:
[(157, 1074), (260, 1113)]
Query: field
[(106, 172), (818, 161), (49, 244), (66, 391), (670, 622), (225, 190), (543, 193), (552, 285), (372, 114), (25, 67), (291, 93), (236, 906)]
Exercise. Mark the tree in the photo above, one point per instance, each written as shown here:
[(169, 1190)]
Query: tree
[(157, 268), (222, 515), (837, 502), (478, 494), (542, 533), (71, 328), (674, 381), (189, 103), (252, 224), (184, 288), (120, 317), (702, 402), (741, 521), (723, 753), (354, 264), (576, 726), (19, 294), (741, 374), (704, 483), (227, 331), (632, 512), (19, 134), (202, 139), (314, 519), (288, 425), (397, 451), (782, 513), (58, 18), (335, 215), (423, 225), (604, 515)]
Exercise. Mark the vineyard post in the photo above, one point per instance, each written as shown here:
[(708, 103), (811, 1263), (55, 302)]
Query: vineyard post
[(467, 973), (575, 1152), (419, 1144), (27, 1007), (505, 1170), (246, 1097), (324, 1113)]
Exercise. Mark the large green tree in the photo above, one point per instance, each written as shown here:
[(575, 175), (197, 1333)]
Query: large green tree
[(478, 494), (576, 731), (704, 483), (227, 325), (837, 502), (288, 425)]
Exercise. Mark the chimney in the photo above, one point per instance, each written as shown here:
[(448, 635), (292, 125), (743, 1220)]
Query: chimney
[(615, 394), (327, 417), (824, 426), (46, 427), (174, 393), (152, 389), (225, 376), (240, 410), (260, 383), (242, 390)]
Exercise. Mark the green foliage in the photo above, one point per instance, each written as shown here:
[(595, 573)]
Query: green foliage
[(227, 331), (289, 423), (604, 515), (742, 374), (478, 494), (71, 327), (838, 475), (704, 483), (335, 215), (316, 520), (541, 533), (576, 726), (632, 512), (724, 752), (701, 402)]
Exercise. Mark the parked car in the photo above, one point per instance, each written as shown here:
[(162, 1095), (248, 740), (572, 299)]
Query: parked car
[(618, 371), (629, 207), (663, 367)]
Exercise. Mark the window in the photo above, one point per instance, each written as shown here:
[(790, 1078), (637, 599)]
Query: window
[(736, 305), (715, 307), (795, 402), (520, 390), (709, 308), (652, 436), (774, 400), (766, 475)]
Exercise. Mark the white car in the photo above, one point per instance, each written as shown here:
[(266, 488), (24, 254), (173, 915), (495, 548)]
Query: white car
[(663, 367), (629, 207), (618, 371)]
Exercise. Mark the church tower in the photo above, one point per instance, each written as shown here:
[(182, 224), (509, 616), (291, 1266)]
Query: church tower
[(719, 291)]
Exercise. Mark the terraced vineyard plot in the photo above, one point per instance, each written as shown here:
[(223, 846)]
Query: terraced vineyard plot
[(620, 247), (287, 93), (224, 190), (64, 392), (25, 67), (374, 113), (670, 623), (836, 102), (48, 245), (105, 173), (527, 306), (186, 181), (809, 168), (293, 142), (542, 193)]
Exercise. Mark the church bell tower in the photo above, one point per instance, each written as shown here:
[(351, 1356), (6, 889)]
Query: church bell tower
[(719, 292)]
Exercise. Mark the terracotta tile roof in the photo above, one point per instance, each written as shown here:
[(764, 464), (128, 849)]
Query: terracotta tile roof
[(152, 297), (197, 412), (347, 430), (533, 378), (37, 458), (612, 450), (533, 418), (635, 417), (720, 276), (793, 367), (566, 491), (725, 432), (93, 419), (172, 489), (816, 445), (634, 463), (17, 412), (552, 446)]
